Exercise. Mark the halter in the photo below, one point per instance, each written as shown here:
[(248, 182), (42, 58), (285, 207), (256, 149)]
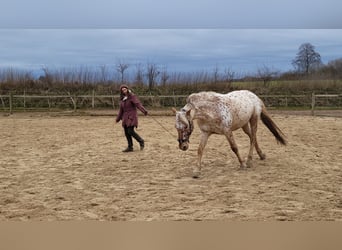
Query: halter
[(186, 132)]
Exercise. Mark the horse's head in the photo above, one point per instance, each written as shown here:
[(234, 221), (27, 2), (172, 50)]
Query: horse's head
[(184, 126)]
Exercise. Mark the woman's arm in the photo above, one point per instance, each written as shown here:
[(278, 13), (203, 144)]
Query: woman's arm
[(137, 103)]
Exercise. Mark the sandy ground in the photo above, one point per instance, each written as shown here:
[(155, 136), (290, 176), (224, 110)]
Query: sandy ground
[(55, 168)]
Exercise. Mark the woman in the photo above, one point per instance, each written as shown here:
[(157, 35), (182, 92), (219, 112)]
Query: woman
[(128, 114)]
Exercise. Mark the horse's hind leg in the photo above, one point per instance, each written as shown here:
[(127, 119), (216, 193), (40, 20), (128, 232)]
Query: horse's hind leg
[(254, 127), (233, 145), (251, 130), (260, 153), (247, 130)]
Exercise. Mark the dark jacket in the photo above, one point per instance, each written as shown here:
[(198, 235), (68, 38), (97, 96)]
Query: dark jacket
[(128, 111)]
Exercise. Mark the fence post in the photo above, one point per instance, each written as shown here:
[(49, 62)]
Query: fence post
[(49, 103), (24, 100), (93, 99), (113, 101), (75, 103), (73, 100), (3, 103), (174, 99), (286, 102), (10, 102), (313, 103)]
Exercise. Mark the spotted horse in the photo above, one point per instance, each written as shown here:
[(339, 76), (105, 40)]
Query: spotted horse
[(222, 114)]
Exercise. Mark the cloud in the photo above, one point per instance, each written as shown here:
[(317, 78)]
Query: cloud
[(176, 49), (170, 14)]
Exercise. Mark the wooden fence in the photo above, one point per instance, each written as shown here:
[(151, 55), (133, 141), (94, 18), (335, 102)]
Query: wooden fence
[(13, 102)]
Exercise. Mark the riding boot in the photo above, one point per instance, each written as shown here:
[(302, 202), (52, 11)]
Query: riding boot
[(142, 144), (131, 132), (140, 140), (128, 149), (129, 140), (130, 145)]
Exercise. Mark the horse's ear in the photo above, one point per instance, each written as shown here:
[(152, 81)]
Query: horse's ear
[(174, 110)]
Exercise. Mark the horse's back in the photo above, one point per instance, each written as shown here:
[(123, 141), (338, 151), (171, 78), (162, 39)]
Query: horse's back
[(236, 95), (245, 98), (237, 101)]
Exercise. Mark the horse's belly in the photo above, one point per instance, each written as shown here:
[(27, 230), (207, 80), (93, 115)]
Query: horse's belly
[(241, 119), (238, 125), (211, 128)]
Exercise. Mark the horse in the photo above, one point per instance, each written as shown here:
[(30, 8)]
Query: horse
[(222, 114)]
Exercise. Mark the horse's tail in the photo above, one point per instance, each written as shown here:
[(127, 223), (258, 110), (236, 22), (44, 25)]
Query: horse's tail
[(269, 123)]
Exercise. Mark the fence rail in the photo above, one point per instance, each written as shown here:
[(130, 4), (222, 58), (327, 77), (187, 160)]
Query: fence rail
[(24, 101)]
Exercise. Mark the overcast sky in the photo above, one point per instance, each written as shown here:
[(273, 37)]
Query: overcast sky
[(179, 35), (171, 14)]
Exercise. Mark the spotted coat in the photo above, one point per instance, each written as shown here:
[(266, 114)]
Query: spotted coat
[(222, 114), (218, 112)]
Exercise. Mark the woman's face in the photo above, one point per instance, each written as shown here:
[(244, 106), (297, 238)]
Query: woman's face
[(124, 90)]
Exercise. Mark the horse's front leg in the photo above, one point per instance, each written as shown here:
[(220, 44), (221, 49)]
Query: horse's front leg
[(203, 143)]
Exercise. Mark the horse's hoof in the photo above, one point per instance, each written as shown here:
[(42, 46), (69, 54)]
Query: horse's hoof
[(262, 157), (243, 165), (196, 175)]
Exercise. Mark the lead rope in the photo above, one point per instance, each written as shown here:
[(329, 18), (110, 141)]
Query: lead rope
[(161, 125)]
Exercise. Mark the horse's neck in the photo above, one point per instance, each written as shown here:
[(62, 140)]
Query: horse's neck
[(196, 111), (202, 110), (190, 107), (200, 106)]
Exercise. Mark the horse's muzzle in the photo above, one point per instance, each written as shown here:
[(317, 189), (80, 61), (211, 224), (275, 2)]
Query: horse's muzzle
[(183, 146)]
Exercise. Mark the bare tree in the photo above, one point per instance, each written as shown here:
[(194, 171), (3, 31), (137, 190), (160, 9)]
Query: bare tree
[(14, 75), (104, 73), (228, 76), (49, 77), (139, 75), (164, 76), (266, 74), (152, 74), (336, 65), (121, 67), (333, 69), (307, 59), (216, 74)]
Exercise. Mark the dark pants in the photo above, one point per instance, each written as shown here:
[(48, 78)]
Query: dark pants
[(129, 133)]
